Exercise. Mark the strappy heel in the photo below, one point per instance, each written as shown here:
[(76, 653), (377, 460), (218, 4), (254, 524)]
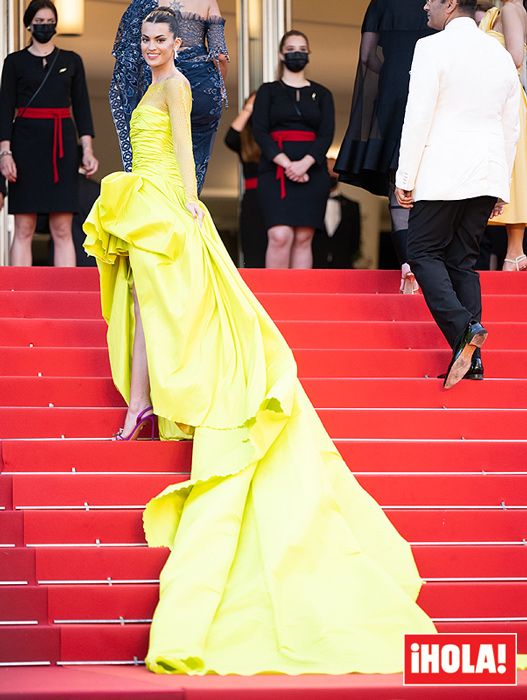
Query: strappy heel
[(141, 421), (516, 262)]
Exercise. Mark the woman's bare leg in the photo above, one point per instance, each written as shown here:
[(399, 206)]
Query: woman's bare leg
[(302, 251), (280, 241), (140, 381), (515, 235), (60, 228), (25, 225)]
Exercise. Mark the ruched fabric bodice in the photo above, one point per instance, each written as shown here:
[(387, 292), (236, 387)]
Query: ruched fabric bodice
[(153, 152)]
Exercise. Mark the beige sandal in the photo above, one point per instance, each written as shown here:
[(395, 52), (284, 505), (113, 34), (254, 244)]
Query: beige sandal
[(516, 262)]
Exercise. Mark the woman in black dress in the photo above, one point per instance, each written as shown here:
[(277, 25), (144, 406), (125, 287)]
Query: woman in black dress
[(369, 154), (44, 87), (293, 123), (240, 139)]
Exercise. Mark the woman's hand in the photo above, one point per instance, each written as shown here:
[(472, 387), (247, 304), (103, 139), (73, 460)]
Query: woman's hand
[(89, 163), (8, 168), (196, 211), (297, 170)]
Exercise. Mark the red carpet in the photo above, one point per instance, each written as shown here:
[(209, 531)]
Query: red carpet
[(77, 583)]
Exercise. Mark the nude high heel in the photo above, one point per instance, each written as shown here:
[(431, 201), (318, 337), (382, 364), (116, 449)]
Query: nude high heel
[(408, 282), (516, 262)]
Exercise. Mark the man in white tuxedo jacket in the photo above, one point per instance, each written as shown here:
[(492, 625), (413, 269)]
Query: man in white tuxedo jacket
[(455, 165)]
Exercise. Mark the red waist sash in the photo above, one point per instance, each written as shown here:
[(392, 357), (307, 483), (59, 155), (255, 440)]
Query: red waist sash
[(251, 183), (282, 137), (57, 114)]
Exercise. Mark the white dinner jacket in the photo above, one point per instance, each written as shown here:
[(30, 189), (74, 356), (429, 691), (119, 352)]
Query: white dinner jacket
[(462, 117)]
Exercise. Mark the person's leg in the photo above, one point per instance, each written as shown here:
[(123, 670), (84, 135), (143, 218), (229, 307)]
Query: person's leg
[(280, 241), (60, 228), (462, 254), (431, 229), (25, 225), (515, 257), (140, 381), (399, 219), (302, 250)]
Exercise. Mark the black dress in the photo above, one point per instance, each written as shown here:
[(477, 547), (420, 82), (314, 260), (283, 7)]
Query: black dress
[(253, 233), (33, 140), (278, 107), (370, 149)]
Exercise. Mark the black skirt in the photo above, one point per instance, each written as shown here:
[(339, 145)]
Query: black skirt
[(35, 189), (370, 149), (304, 204)]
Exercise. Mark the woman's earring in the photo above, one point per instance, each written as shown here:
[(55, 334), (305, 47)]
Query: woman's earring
[(175, 54)]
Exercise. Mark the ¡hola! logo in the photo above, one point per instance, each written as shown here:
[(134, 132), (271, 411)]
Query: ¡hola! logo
[(459, 659)]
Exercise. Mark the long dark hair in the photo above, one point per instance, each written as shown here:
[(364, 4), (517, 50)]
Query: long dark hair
[(164, 15), (249, 150), (35, 6)]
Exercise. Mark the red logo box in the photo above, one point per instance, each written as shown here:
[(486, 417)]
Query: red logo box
[(460, 659)]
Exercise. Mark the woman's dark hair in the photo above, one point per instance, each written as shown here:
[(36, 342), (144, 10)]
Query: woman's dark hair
[(250, 151), (37, 5), (290, 33), (164, 15)]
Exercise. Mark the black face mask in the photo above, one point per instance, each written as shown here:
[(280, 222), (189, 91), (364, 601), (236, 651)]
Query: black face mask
[(43, 32), (295, 61)]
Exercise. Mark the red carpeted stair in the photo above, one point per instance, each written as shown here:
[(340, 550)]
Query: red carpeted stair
[(78, 584)]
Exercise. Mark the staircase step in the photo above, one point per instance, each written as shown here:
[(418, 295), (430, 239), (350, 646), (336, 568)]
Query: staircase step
[(323, 392), (126, 527), (45, 332), (477, 600), (11, 528), (137, 602), (334, 281), (23, 604), (403, 455), (468, 525), (17, 565), (76, 490), (95, 490), (30, 644), (364, 363), (468, 424), (95, 456), (97, 564), (362, 455), (280, 305)]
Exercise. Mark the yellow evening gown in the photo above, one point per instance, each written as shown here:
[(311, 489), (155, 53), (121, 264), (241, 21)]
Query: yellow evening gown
[(280, 561), (516, 211)]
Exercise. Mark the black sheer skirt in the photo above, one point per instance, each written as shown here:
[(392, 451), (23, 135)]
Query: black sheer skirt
[(370, 149)]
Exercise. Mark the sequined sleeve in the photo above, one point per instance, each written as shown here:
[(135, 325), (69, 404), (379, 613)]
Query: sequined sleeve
[(179, 103), (216, 43), (131, 76)]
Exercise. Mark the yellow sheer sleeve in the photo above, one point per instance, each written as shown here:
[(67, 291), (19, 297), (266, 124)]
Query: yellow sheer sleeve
[(179, 104)]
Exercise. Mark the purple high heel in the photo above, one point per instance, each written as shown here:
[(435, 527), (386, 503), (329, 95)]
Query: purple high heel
[(140, 423)]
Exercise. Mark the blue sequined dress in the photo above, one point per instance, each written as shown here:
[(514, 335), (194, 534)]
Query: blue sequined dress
[(203, 42)]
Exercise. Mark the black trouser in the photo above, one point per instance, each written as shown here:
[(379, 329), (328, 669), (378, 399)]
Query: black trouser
[(443, 248)]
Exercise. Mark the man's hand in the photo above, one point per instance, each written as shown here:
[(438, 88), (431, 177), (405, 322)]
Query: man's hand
[(405, 198), (498, 209), (2, 198)]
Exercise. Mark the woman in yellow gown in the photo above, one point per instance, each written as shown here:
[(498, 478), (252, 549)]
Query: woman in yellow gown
[(509, 27), (280, 562)]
